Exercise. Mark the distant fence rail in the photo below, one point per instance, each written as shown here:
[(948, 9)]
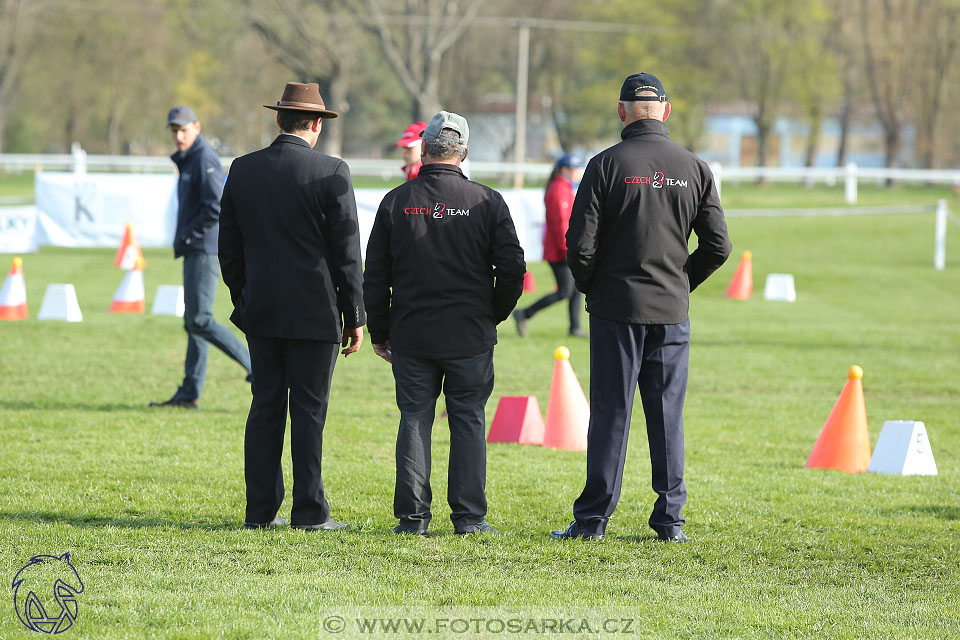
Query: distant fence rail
[(850, 175)]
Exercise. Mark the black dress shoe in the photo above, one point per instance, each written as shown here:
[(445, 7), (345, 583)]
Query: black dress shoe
[(182, 404), (483, 527), (410, 531), (678, 537), (273, 524), (575, 531), (329, 525)]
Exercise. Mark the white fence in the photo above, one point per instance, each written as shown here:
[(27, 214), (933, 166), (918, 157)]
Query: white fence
[(851, 175)]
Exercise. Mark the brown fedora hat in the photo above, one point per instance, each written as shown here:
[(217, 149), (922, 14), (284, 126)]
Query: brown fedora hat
[(299, 96)]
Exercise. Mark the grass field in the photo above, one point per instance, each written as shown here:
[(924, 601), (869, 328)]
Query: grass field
[(149, 502)]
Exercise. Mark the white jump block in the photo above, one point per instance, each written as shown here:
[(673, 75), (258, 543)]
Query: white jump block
[(780, 287), (60, 303), (903, 449), (168, 301)]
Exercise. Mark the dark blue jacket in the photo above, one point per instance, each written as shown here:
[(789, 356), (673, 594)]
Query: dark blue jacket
[(198, 193)]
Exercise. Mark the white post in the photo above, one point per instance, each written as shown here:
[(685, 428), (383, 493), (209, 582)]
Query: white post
[(850, 186), (940, 236), (79, 158), (717, 170)]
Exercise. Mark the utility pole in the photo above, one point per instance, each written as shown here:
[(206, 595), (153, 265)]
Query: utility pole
[(523, 71)]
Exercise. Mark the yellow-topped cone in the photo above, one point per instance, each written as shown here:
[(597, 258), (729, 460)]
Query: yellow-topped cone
[(13, 295), (844, 441), (568, 414)]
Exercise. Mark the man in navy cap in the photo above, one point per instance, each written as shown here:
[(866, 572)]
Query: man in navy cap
[(198, 219), (633, 215)]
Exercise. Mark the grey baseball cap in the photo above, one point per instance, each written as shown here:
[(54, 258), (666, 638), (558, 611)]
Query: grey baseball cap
[(181, 115), (447, 120)]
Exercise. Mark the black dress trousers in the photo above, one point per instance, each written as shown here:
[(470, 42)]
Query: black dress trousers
[(623, 357), (300, 370)]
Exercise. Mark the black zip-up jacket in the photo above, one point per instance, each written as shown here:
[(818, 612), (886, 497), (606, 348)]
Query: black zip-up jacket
[(198, 193), (637, 203), (443, 267)]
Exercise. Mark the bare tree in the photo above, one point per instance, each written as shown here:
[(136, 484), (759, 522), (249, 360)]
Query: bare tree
[(938, 49), (310, 38), (415, 50), (16, 27)]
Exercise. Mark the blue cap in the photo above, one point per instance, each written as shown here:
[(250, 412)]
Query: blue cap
[(570, 160)]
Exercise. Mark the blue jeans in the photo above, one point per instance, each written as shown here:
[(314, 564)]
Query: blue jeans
[(201, 272)]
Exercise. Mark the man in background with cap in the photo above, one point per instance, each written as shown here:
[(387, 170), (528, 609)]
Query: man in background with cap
[(412, 144), (637, 204), (558, 200), (198, 193), (443, 268), (290, 252)]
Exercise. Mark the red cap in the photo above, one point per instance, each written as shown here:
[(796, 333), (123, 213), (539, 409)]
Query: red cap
[(411, 135)]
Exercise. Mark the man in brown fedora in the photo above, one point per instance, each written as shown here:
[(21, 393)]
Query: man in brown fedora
[(290, 254)]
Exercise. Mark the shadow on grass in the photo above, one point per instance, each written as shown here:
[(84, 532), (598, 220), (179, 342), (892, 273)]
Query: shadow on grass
[(76, 520), (944, 512), (52, 405)]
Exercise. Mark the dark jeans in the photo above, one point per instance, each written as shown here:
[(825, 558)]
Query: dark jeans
[(466, 384), (301, 370), (201, 272), (623, 357), (566, 290)]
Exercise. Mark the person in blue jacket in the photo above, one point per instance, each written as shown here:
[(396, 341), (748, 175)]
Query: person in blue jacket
[(198, 221)]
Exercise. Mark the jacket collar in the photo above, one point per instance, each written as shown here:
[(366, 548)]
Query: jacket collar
[(287, 138), (644, 127), (440, 168), (180, 157)]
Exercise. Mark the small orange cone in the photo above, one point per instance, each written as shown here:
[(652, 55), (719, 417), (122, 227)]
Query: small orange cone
[(568, 414), (13, 296), (741, 286), (844, 441), (129, 252), (129, 297), (518, 419), (529, 283)]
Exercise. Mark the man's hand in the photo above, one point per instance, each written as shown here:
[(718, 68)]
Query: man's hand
[(383, 350), (352, 337)]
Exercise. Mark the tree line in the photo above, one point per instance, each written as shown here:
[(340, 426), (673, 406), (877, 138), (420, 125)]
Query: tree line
[(104, 72)]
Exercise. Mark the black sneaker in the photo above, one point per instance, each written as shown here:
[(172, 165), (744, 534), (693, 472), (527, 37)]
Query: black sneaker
[(483, 527), (181, 404), (520, 317), (273, 524)]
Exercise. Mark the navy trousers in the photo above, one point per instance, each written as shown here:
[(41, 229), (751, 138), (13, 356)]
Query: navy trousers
[(294, 374), (624, 357)]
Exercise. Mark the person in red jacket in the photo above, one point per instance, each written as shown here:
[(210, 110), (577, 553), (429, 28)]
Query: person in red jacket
[(411, 143), (559, 201)]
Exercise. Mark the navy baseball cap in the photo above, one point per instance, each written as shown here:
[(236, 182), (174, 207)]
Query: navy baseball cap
[(181, 115), (640, 82), (570, 160)]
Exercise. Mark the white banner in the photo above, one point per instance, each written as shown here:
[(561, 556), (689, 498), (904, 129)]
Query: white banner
[(92, 210), (526, 207), (18, 227)]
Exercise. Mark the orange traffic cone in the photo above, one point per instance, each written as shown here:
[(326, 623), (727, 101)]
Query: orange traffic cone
[(129, 297), (129, 252), (844, 441), (741, 286), (518, 419), (568, 414), (529, 282), (13, 296)]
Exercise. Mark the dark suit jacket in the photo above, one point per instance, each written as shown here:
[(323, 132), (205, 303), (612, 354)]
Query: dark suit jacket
[(290, 244)]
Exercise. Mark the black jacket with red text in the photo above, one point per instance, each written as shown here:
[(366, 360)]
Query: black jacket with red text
[(632, 217), (443, 266)]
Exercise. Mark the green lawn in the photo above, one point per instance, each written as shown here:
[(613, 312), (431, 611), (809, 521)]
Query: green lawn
[(149, 502)]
